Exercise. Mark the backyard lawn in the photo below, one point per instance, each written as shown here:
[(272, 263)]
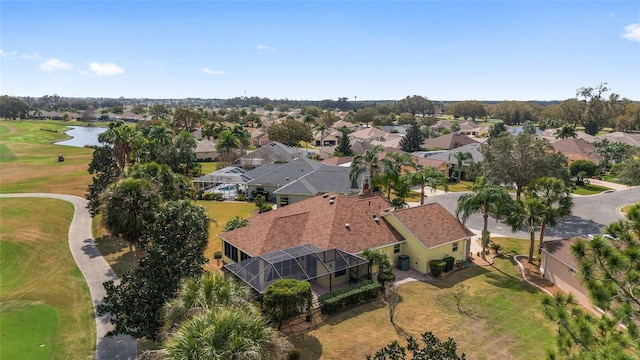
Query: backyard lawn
[(502, 317), (29, 161), (45, 307), (589, 189)]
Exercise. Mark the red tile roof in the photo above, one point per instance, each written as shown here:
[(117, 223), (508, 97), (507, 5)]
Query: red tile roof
[(431, 224), (318, 222)]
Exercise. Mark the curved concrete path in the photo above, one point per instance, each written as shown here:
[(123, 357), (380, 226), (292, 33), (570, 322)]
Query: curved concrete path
[(96, 270)]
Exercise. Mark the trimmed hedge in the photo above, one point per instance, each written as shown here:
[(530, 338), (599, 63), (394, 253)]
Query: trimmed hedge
[(333, 302), (437, 267), (450, 260), (385, 277)]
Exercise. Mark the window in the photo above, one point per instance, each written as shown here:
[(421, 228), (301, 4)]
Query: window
[(396, 248), (243, 256), (454, 247), (341, 273), (230, 251)]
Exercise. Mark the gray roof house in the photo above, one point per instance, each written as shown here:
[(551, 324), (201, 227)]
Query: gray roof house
[(273, 152), (299, 179)]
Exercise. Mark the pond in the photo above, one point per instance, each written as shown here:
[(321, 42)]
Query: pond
[(82, 136)]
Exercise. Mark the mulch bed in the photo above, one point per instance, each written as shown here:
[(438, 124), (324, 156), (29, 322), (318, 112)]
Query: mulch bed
[(532, 275)]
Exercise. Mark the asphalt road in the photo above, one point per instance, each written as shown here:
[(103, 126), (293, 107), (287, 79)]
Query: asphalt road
[(590, 214), (95, 270)]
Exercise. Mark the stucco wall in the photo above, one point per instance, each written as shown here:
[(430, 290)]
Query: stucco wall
[(562, 275)]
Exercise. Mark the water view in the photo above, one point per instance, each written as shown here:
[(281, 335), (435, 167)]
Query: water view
[(82, 136)]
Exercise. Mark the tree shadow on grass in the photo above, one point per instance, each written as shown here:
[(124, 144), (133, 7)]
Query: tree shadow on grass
[(506, 281), (459, 276), (310, 347), (354, 312)]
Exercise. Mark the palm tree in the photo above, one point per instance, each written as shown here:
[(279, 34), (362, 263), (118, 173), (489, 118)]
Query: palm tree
[(367, 162), (556, 198), (428, 176), (127, 207), (486, 198), (125, 141), (460, 157), (309, 120), (610, 151), (393, 166), (376, 258), (243, 135), (322, 129), (226, 143), (528, 212), (566, 131), (212, 318)]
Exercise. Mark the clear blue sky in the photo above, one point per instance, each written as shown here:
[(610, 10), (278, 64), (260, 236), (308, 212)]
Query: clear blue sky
[(454, 50)]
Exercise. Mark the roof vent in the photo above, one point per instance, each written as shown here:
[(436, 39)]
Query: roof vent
[(376, 219), (347, 225), (331, 201), (332, 197), (325, 196)]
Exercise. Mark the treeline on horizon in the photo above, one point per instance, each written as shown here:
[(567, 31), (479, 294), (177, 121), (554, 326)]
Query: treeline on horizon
[(64, 103)]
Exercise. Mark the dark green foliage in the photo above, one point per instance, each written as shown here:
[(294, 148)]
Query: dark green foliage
[(385, 277), (235, 223), (589, 167), (437, 267), (261, 204), (344, 147), (169, 185), (105, 171), (412, 141), (286, 298), (174, 244), (497, 129), (449, 260), (629, 172), (217, 255), (338, 300), (290, 132), (13, 107), (212, 196), (293, 354), (429, 347)]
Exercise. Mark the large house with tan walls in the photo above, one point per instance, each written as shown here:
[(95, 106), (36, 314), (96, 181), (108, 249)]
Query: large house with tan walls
[(321, 239)]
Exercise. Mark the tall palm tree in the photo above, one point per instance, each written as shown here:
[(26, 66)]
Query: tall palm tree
[(486, 198), (556, 198), (394, 165), (127, 207), (460, 157), (322, 129), (428, 176), (243, 135), (566, 131), (528, 212), (367, 162), (226, 143), (125, 141)]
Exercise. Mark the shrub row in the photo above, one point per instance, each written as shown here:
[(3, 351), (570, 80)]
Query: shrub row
[(211, 196), (336, 301), (437, 267)]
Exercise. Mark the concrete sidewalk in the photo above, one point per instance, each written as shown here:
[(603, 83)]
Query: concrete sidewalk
[(608, 184), (95, 270)]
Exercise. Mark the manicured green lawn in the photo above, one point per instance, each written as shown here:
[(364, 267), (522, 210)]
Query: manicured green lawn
[(43, 295), (502, 317), (456, 187), (209, 167), (590, 189), (29, 161), (220, 212)]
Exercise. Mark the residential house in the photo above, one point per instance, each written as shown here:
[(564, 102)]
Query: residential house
[(374, 134), (440, 165), (344, 225), (280, 176), (559, 267), (626, 138), (577, 149), (273, 152), (259, 137), (448, 156), (343, 124), (205, 150), (329, 137), (325, 179), (449, 141), (470, 128), (339, 161)]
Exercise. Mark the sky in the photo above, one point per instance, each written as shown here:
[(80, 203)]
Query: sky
[(315, 50)]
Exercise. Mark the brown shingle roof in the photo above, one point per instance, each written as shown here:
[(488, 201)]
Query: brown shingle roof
[(576, 149), (449, 141), (432, 224), (315, 221)]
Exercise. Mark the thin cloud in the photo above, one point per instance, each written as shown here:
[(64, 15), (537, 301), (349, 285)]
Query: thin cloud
[(5, 54), (105, 69), (266, 47), (208, 71), (632, 32), (54, 64), (33, 56)]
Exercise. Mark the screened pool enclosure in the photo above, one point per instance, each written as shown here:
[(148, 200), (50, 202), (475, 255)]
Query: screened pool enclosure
[(304, 262)]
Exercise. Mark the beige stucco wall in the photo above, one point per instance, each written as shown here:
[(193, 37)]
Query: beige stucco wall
[(561, 275), (419, 255)]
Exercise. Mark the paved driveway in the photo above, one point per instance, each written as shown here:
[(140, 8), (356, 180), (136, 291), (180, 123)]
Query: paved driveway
[(590, 214), (96, 270)]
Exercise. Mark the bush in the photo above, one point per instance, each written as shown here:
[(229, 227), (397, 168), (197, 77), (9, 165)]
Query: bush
[(385, 277), (437, 267), (449, 260), (286, 298), (235, 223), (241, 197), (217, 255), (589, 167), (338, 300), (293, 354), (211, 196)]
